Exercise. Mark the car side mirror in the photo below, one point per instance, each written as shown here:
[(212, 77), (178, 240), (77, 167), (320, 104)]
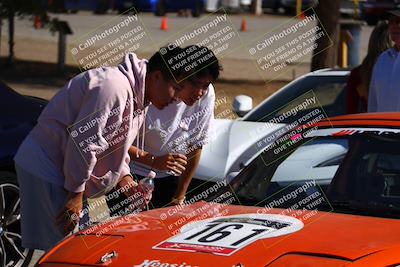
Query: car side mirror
[(242, 104)]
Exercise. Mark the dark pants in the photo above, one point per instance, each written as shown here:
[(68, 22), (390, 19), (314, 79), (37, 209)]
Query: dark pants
[(164, 190)]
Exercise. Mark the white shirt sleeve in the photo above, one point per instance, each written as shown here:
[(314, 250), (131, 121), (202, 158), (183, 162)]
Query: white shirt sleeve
[(205, 122)]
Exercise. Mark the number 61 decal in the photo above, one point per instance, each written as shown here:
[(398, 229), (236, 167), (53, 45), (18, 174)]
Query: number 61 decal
[(226, 235)]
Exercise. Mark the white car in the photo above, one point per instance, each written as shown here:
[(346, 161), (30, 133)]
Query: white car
[(237, 142), (214, 5)]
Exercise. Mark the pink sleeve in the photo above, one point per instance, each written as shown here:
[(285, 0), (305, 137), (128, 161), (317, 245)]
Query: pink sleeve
[(125, 170), (86, 137)]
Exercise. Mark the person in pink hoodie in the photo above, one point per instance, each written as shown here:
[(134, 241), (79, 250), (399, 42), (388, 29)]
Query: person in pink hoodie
[(79, 147)]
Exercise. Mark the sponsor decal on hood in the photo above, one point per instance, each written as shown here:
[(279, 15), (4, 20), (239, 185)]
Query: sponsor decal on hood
[(158, 263), (226, 235)]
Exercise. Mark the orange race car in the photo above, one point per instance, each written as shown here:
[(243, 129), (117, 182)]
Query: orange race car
[(292, 205)]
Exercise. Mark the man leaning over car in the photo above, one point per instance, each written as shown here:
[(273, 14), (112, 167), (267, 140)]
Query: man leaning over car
[(56, 173), (173, 141)]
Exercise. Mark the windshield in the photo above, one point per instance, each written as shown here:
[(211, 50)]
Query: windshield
[(329, 90), (357, 174)]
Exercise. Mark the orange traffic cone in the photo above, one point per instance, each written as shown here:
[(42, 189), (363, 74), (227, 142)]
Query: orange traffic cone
[(164, 23), (243, 27), (302, 15), (37, 22)]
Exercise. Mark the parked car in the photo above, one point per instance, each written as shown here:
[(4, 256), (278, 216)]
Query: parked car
[(289, 6), (350, 8), (98, 7), (372, 11), (233, 146), (18, 114), (228, 5), (161, 7), (272, 4), (351, 220), (139, 5)]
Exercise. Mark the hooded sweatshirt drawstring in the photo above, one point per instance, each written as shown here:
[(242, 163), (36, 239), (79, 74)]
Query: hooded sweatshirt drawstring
[(143, 132), (135, 70)]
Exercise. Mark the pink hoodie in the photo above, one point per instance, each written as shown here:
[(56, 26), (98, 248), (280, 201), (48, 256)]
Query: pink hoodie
[(89, 125)]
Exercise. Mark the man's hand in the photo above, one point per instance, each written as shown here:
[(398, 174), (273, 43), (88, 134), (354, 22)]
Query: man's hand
[(133, 192), (127, 186), (171, 162), (68, 217), (186, 177)]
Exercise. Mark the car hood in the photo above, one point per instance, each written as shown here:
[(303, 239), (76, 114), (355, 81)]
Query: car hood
[(321, 239), (234, 143)]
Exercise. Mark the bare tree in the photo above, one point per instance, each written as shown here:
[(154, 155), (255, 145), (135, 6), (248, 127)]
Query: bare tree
[(11, 15), (9, 9), (324, 55), (1, 27)]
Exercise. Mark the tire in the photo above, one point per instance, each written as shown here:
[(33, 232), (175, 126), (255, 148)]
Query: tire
[(124, 6), (276, 7), (309, 12), (124, 11), (289, 11), (199, 9), (160, 9), (101, 8), (11, 251)]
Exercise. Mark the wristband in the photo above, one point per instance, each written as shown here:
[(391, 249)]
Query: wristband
[(121, 178)]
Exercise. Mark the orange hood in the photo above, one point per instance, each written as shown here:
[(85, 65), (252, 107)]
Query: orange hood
[(325, 239)]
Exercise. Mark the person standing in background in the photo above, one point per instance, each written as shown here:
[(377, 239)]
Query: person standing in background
[(384, 93), (360, 77)]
